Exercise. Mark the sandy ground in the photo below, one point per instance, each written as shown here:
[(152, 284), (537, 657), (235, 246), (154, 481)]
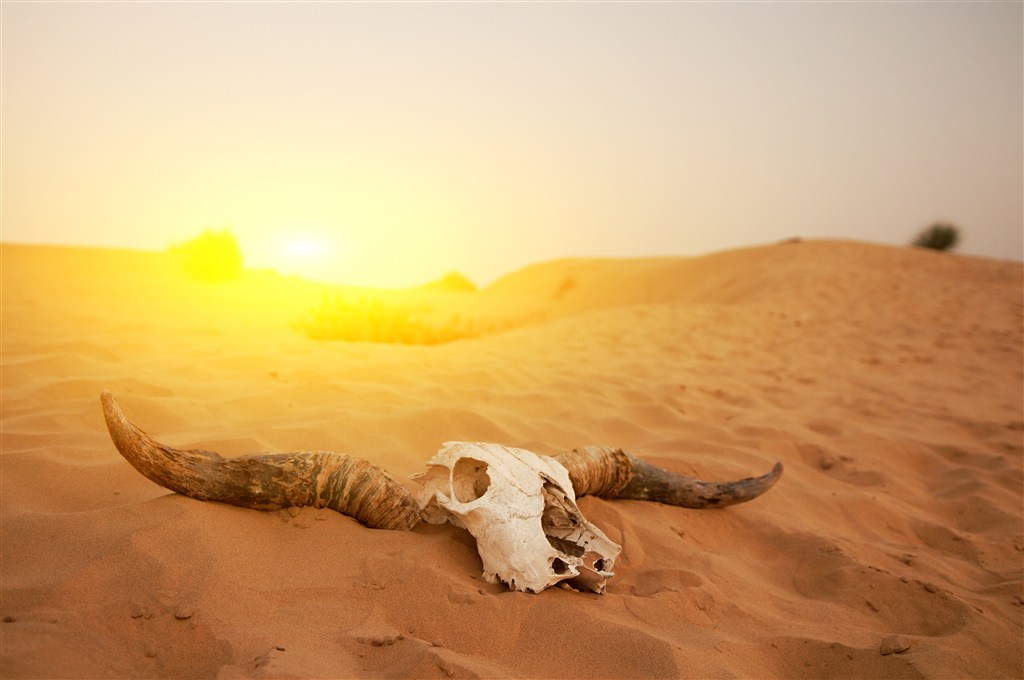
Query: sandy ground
[(888, 381)]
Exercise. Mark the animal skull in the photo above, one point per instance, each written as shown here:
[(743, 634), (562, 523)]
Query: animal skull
[(521, 507), (522, 510)]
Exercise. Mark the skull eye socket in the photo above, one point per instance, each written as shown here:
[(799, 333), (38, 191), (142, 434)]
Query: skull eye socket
[(469, 479)]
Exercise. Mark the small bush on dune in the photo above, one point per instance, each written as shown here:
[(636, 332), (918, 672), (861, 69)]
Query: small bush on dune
[(211, 256), (452, 282), (939, 236)]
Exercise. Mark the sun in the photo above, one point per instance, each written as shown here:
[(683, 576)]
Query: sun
[(304, 248), (307, 254)]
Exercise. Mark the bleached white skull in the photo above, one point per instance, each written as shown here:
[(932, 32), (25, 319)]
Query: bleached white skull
[(521, 508)]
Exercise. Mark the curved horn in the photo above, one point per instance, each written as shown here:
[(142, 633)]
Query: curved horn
[(613, 473), (349, 485)]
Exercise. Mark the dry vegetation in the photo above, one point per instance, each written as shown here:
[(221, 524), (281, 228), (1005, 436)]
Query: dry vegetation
[(211, 256), (393, 318)]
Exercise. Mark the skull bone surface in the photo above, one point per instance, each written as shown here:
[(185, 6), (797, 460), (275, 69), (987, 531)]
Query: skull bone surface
[(521, 508)]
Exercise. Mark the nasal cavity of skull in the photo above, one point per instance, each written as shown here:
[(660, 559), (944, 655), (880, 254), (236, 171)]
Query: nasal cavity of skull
[(559, 567), (565, 546), (469, 479)]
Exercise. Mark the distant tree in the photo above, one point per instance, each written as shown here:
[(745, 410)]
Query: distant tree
[(211, 256), (939, 236)]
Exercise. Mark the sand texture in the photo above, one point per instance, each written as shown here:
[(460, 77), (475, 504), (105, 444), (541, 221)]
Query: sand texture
[(888, 381)]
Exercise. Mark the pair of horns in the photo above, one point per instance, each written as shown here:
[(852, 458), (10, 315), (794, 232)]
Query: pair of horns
[(364, 491)]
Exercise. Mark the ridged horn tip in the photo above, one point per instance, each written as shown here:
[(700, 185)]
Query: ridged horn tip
[(323, 479)]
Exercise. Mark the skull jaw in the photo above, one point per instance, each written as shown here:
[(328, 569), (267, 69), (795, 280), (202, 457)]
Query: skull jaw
[(535, 560), (521, 509)]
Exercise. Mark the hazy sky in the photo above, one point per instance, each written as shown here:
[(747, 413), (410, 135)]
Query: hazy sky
[(390, 143)]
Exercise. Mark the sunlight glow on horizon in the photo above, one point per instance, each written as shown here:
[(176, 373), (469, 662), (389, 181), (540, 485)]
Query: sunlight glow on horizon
[(304, 255), (388, 144), (323, 254), (305, 248), (291, 250)]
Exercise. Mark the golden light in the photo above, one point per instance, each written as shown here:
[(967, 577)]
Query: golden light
[(305, 248), (308, 254)]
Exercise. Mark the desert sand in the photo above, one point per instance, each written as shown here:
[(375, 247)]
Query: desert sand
[(888, 381)]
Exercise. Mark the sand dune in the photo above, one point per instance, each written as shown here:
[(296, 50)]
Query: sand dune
[(887, 380)]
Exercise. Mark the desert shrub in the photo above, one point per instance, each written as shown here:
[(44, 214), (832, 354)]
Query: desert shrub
[(939, 236), (567, 284), (372, 319), (452, 282), (211, 256)]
